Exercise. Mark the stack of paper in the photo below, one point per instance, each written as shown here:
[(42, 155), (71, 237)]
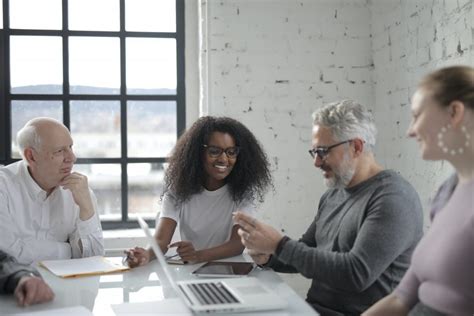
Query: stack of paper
[(82, 267)]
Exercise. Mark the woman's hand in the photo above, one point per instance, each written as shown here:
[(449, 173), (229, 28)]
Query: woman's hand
[(186, 251), (137, 257)]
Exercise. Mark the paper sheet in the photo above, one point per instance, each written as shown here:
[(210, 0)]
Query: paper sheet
[(82, 267)]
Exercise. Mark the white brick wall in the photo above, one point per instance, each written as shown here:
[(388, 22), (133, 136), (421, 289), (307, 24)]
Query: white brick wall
[(270, 63), (411, 38)]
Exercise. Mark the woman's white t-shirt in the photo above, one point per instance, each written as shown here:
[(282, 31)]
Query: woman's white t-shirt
[(206, 218)]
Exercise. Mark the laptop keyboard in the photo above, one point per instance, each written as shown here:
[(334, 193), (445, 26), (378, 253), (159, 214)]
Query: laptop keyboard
[(212, 293)]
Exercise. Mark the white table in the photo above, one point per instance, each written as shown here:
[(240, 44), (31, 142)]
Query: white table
[(142, 284)]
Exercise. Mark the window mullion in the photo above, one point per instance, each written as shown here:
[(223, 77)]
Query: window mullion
[(123, 115), (65, 37)]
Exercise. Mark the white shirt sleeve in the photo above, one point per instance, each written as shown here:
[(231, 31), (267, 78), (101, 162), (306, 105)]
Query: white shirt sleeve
[(27, 250), (168, 208), (89, 233)]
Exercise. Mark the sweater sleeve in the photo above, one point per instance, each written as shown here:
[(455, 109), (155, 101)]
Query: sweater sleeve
[(392, 223), (11, 272), (307, 239)]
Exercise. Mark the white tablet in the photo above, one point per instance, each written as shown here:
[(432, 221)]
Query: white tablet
[(222, 269)]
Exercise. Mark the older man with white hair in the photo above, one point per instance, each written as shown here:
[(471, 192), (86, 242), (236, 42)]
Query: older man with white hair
[(359, 244), (47, 211)]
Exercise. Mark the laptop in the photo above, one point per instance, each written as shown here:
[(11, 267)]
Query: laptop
[(218, 295)]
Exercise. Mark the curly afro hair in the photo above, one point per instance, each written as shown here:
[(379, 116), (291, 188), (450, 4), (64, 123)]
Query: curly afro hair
[(186, 176)]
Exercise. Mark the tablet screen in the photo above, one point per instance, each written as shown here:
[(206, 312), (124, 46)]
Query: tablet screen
[(222, 269)]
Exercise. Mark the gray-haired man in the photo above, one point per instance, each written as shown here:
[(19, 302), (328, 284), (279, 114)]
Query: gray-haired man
[(47, 211), (369, 221)]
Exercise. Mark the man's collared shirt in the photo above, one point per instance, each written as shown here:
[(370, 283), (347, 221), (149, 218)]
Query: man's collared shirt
[(34, 226)]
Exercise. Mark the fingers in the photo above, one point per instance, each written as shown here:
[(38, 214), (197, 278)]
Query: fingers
[(48, 293), (245, 238), (43, 292), (136, 257), (74, 178), (185, 250), (245, 235), (131, 260), (254, 240), (75, 175), (20, 295), (260, 258), (175, 244), (33, 290), (245, 221), (189, 257), (182, 246), (253, 252)]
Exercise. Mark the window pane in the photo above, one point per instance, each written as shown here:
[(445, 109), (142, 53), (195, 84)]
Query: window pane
[(145, 185), (23, 111), (93, 15), (150, 15), (1, 14), (36, 14), (94, 65), (151, 128), (104, 179), (151, 66), (95, 126), (36, 64)]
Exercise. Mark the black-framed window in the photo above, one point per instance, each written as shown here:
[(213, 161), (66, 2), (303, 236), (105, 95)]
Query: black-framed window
[(113, 72)]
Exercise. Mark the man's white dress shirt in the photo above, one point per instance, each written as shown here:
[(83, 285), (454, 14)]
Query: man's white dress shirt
[(35, 227)]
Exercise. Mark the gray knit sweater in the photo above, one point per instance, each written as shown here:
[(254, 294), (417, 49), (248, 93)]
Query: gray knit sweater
[(359, 245), (11, 272)]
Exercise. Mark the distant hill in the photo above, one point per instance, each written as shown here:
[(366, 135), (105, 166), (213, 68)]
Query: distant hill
[(87, 116)]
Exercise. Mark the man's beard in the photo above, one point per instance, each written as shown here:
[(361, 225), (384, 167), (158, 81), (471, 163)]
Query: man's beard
[(342, 174)]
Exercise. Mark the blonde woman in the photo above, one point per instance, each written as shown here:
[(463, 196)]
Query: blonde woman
[(440, 280)]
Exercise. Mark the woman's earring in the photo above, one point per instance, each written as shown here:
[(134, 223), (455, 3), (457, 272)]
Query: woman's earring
[(445, 148)]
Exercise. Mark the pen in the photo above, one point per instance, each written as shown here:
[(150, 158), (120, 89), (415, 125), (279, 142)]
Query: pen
[(126, 258)]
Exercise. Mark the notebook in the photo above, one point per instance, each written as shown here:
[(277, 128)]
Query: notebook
[(218, 295), (71, 268)]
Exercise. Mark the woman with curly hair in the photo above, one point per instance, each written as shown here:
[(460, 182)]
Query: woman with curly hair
[(216, 168)]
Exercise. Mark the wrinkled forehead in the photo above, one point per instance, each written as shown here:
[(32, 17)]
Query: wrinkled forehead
[(54, 136)]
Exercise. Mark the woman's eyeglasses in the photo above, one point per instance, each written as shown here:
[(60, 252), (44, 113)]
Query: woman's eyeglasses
[(214, 151)]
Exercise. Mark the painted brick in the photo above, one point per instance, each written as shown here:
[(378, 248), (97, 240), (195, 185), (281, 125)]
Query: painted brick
[(272, 62)]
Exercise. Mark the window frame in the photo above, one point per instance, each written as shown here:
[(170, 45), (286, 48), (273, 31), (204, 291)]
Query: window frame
[(66, 97)]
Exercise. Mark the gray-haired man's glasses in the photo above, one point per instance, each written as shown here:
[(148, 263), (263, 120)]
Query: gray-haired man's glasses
[(322, 151)]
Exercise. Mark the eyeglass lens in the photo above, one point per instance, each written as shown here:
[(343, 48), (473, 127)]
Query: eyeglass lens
[(322, 152), (215, 151)]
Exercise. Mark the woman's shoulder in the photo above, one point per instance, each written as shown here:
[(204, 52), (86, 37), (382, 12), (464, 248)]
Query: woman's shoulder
[(443, 194)]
